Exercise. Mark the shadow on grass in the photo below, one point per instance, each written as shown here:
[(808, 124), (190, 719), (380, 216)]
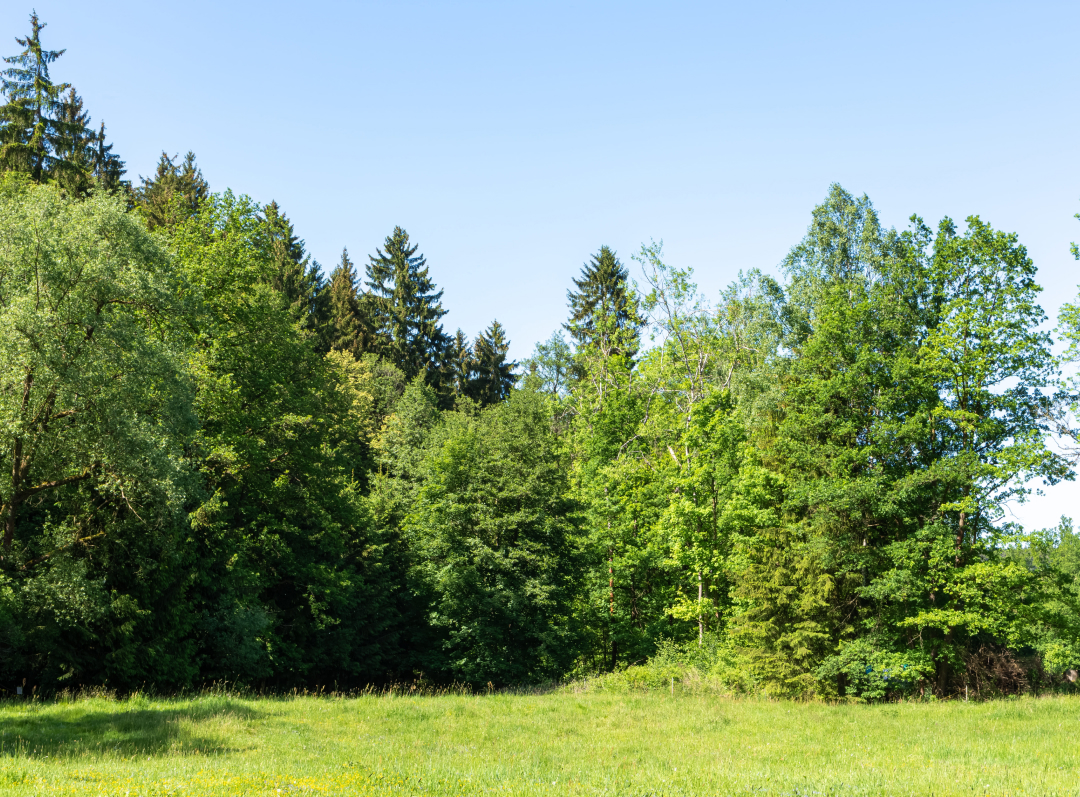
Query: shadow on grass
[(91, 729)]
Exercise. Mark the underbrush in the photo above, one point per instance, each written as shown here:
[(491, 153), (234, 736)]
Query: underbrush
[(868, 675)]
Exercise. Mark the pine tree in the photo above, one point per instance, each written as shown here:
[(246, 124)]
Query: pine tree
[(602, 313), (36, 137), (173, 194), (348, 326), (495, 376), (406, 308)]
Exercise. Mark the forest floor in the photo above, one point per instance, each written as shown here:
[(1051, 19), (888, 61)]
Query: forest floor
[(554, 744)]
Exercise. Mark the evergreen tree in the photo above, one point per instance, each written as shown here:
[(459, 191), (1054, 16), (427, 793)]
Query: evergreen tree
[(36, 137), (494, 375), (406, 308), (461, 365), (109, 169), (348, 327), (87, 149), (602, 307), (296, 277), (173, 194)]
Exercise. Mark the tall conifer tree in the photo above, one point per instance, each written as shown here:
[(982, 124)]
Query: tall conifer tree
[(349, 329), (173, 194), (495, 376), (297, 277), (601, 309), (406, 308), (461, 365), (36, 137)]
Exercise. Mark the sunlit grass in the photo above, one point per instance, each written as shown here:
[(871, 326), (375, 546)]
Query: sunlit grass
[(588, 744)]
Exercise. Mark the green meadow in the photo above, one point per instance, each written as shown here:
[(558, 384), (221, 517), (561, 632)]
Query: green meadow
[(559, 743)]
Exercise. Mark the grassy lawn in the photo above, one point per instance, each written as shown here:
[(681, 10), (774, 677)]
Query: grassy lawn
[(594, 744)]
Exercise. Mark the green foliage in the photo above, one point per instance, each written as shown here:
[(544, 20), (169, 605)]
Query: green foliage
[(492, 535), (287, 557), (349, 328), (174, 194), (602, 303), (221, 465), (493, 375), (405, 308), (39, 134)]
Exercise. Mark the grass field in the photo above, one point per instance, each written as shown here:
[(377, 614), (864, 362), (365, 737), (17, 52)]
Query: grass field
[(572, 744)]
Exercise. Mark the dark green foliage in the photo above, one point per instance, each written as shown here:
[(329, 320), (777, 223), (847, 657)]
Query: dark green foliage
[(349, 328), (297, 278), (406, 308), (493, 377), (35, 131), (493, 538), (460, 365), (603, 295), (288, 559), (173, 194)]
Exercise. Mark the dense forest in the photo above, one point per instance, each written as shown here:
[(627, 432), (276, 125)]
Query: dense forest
[(220, 464)]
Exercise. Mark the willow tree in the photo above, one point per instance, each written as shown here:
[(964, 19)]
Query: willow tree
[(92, 390)]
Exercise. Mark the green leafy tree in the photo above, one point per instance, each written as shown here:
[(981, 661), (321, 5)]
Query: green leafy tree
[(97, 416), (551, 366), (493, 533), (292, 584)]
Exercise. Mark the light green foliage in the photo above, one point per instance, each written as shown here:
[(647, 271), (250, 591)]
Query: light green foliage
[(95, 412), (549, 369), (576, 742)]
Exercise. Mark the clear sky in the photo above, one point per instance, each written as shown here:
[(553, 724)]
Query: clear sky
[(512, 139)]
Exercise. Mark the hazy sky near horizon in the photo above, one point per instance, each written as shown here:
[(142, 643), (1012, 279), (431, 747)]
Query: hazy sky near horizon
[(513, 139)]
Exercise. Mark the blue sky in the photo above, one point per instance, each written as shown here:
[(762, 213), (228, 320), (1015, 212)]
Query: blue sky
[(513, 139)]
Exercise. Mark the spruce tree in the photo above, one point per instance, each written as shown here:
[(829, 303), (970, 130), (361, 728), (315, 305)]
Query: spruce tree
[(297, 277), (460, 365), (86, 150), (602, 312), (406, 309), (36, 137), (173, 194), (78, 146), (109, 169), (494, 374), (348, 328)]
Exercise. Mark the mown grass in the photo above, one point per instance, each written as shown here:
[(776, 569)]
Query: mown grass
[(566, 743)]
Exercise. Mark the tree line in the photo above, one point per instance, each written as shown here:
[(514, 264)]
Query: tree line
[(222, 465)]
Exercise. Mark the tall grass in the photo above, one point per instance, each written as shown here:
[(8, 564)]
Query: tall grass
[(586, 743)]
